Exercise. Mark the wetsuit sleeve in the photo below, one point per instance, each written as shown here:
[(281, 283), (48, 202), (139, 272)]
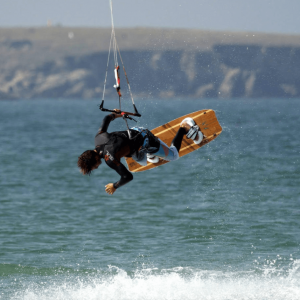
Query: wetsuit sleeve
[(106, 121), (126, 176)]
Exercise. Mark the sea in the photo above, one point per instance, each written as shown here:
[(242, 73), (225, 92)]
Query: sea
[(222, 223)]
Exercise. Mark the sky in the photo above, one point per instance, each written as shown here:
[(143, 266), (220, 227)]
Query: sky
[(275, 16)]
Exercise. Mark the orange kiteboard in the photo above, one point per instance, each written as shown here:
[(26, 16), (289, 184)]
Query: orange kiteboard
[(206, 120)]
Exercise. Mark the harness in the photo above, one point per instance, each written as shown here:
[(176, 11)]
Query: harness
[(141, 140)]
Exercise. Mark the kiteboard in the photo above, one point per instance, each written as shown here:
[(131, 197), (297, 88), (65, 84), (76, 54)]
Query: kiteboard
[(206, 120)]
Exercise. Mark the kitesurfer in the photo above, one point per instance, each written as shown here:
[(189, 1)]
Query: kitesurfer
[(141, 145)]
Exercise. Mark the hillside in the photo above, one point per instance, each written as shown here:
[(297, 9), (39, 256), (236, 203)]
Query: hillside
[(71, 62)]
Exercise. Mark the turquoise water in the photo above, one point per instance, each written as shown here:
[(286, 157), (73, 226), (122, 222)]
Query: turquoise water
[(221, 223)]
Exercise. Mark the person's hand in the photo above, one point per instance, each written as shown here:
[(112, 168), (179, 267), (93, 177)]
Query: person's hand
[(117, 113), (109, 188)]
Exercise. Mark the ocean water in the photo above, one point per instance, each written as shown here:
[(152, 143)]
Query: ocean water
[(221, 223)]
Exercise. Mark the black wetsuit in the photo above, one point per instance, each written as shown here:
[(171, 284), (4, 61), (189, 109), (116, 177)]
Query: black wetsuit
[(113, 146)]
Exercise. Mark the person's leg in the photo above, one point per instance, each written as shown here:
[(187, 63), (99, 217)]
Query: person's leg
[(155, 148), (178, 138), (187, 127), (164, 152), (149, 144), (172, 152)]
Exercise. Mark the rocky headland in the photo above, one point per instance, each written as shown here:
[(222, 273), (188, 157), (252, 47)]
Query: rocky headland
[(63, 62)]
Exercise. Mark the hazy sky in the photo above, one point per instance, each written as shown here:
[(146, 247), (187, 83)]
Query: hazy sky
[(239, 15)]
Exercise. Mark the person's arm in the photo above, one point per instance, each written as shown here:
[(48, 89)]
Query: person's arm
[(107, 119), (126, 176)]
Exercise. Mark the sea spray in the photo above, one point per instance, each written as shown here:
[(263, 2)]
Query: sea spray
[(174, 284)]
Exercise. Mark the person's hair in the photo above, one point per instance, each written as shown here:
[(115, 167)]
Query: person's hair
[(87, 160)]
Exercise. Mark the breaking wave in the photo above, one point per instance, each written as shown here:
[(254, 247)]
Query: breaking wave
[(177, 283)]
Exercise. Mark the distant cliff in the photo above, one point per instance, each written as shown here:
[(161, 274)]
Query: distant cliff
[(36, 66)]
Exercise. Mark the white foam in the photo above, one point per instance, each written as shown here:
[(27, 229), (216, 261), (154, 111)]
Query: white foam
[(175, 284)]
